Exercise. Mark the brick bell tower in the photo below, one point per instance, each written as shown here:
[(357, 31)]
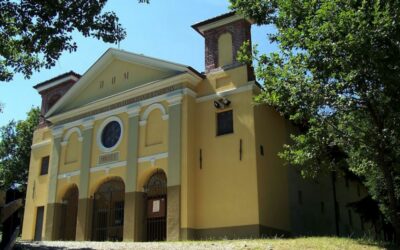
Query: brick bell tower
[(52, 90), (224, 35)]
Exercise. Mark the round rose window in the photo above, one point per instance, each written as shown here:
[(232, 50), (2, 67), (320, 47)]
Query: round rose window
[(111, 134)]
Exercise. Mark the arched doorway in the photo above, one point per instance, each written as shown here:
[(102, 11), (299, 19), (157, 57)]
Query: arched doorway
[(108, 211), (156, 207), (68, 213)]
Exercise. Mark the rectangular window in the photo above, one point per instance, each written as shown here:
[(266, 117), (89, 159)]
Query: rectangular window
[(44, 168), (225, 122), (262, 150)]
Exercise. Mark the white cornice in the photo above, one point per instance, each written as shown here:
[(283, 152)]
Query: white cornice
[(175, 99), (147, 61), (57, 131), (107, 167), (221, 22), (69, 174), (87, 122), (40, 144), (55, 83), (124, 109), (152, 158), (133, 110), (248, 87)]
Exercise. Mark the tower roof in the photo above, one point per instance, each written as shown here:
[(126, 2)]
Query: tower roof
[(217, 21), (71, 75)]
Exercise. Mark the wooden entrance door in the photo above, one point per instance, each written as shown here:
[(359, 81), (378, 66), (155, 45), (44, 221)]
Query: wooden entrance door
[(156, 207)]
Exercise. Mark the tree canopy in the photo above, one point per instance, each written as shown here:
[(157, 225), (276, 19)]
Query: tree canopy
[(15, 150), (34, 33), (337, 77)]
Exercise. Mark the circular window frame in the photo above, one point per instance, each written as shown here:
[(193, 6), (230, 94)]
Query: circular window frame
[(100, 132)]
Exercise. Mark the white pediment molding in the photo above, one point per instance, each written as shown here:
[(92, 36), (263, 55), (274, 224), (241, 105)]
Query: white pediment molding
[(115, 54)]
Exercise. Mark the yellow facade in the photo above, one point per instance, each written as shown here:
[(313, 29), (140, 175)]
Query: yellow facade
[(166, 116)]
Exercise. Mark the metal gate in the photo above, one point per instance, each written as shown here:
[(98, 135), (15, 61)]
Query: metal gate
[(156, 205), (108, 212), (69, 213)]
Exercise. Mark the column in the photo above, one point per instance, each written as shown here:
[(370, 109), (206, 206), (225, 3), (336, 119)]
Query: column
[(130, 213), (52, 208), (84, 216), (174, 168)]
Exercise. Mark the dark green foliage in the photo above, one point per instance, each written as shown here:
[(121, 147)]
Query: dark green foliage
[(34, 33), (337, 77), (15, 150)]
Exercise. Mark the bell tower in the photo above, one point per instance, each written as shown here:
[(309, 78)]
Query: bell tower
[(52, 90), (223, 37)]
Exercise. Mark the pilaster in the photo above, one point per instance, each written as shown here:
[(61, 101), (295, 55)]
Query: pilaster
[(84, 217), (131, 174), (174, 167), (51, 209)]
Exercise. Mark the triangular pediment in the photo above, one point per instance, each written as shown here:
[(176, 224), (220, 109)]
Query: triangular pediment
[(116, 71)]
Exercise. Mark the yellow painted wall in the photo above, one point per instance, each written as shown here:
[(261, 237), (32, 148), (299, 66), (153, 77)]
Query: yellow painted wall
[(153, 136), (188, 180), (100, 177), (63, 185), (271, 172), (71, 154), (223, 80), (37, 189), (226, 190), (146, 169)]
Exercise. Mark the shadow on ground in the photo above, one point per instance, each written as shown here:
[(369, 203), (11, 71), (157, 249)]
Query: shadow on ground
[(386, 245), (36, 246)]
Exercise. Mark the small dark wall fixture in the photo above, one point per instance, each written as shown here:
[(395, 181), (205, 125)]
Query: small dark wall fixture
[(201, 159), (222, 103)]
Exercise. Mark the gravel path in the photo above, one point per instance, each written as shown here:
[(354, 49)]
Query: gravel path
[(194, 245)]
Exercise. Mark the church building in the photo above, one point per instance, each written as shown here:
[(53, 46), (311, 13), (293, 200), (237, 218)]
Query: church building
[(143, 149)]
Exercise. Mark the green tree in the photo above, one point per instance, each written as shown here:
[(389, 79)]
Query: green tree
[(337, 77), (15, 150), (34, 33)]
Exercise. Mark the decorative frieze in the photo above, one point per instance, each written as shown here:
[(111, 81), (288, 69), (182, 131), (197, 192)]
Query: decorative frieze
[(123, 103)]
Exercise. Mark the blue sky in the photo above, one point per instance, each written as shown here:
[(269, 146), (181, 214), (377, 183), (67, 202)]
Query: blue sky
[(160, 29)]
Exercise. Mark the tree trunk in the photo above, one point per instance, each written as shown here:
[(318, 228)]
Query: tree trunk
[(393, 213)]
